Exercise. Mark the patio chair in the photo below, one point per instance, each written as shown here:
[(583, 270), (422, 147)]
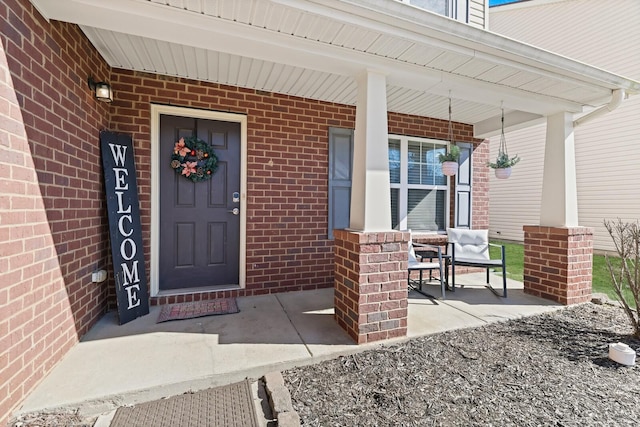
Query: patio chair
[(470, 248), (434, 253)]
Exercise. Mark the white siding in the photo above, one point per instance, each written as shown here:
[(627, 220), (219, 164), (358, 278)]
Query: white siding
[(477, 13), (604, 34), (515, 202)]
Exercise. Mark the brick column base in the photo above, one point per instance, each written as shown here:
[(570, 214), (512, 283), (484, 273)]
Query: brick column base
[(371, 284), (558, 263)]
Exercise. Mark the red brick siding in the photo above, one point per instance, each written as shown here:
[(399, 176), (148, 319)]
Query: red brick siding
[(287, 246), (558, 263), (52, 232), (480, 187), (371, 284)]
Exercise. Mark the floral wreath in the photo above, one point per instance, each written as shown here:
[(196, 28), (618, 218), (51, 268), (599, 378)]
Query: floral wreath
[(194, 159)]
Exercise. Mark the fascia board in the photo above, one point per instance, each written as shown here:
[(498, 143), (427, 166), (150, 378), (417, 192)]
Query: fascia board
[(512, 121), (394, 17)]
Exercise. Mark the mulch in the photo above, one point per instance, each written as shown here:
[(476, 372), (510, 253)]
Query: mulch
[(549, 369)]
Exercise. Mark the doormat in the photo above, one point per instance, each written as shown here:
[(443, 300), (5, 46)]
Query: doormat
[(228, 406), (189, 310)]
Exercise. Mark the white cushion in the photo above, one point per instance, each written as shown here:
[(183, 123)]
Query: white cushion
[(469, 244), (412, 254)]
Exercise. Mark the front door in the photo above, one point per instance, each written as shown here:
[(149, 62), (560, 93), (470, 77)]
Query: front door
[(199, 221)]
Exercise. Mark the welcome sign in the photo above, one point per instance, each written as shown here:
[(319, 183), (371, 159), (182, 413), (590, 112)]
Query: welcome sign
[(124, 225)]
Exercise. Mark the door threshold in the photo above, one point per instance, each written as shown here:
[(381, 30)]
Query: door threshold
[(197, 290)]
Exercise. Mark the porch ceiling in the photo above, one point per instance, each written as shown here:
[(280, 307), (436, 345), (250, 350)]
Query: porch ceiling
[(315, 48)]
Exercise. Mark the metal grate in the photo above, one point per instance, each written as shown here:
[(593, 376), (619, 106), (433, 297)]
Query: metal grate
[(228, 406)]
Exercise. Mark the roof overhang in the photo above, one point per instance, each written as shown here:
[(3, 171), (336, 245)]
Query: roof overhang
[(316, 49)]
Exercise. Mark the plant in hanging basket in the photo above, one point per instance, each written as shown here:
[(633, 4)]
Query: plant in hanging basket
[(449, 160), (503, 164), (450, 156), (503, 161)]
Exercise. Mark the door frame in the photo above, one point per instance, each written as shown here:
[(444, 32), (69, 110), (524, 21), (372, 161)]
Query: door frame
[(156, 111)]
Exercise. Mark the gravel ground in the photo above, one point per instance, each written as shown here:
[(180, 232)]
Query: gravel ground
[(53, 419), (544, 370)]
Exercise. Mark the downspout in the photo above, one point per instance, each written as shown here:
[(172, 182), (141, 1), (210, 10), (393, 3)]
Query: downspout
[(616, 99)]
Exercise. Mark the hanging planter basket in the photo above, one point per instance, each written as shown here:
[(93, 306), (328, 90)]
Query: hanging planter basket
[(449, 159), (449, 168), (503, 173), (503, 162)]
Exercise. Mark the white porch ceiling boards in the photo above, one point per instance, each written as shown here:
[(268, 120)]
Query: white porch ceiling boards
[(315, 48), (156, 56)]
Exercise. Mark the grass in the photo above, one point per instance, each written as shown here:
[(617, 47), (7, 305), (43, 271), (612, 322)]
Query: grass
[(601, 281)]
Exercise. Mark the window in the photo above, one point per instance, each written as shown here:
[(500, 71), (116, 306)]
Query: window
[(456, 9), (437, 6), (419, 190)]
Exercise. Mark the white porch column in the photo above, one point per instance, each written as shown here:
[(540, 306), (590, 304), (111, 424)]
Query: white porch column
[(559, 190), (558, 253), (370, 190)]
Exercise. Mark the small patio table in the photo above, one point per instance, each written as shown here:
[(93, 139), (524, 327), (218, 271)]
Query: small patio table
[(427, 253)]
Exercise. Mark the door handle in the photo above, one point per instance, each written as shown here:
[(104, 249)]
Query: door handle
[(234, 211)]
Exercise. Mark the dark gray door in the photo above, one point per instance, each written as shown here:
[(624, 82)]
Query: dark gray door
[(199, 232)]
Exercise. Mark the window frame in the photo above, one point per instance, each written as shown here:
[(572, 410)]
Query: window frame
[(404, 185), (456, 9)]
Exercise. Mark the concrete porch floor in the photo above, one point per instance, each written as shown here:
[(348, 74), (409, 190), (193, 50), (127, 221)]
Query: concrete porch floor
[(141, 361)]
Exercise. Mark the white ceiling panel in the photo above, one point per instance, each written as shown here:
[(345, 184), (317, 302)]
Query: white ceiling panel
[(328, 32), (399, 95), (271, 17), (227, 8), (540, 85), (390, 47), (498, 74), (276, 78), (449, 61), (420, 55), (287, 22), (262, 76), (520, 79), (474, 67), (355, 38), (213, 64), (343, 92)]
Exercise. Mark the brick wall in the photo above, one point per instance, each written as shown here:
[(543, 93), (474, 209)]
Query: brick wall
[(480, 188), (52, 225), (558, 263), (371, 284), (287, 246)]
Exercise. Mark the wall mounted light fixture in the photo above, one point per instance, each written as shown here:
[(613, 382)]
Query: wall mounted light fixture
[(102, 90)]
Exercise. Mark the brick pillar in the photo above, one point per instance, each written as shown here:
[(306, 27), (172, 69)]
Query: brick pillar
[(558, 263), (371, 284)]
